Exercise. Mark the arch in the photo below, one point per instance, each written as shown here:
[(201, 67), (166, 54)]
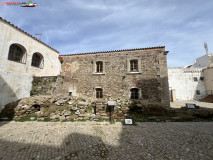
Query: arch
[(17, 53), (37, 60)]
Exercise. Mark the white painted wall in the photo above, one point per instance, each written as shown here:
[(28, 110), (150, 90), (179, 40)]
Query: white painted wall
[(13, 86), (182, 80), (16, 78), (204, 61)]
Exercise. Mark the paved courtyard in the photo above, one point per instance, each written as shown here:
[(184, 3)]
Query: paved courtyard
[(85, 141)]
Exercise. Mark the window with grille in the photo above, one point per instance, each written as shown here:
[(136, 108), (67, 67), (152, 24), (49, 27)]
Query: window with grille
[(134, 93), (36, 60), (99, 67), (15, 53), (134, 66), (195, 79), (99, 93)]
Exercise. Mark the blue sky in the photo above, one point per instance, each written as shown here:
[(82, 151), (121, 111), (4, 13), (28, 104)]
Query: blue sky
[(76, 26)]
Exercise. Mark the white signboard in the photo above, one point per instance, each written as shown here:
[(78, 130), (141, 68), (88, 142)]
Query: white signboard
[(128, 121), (111, 103)]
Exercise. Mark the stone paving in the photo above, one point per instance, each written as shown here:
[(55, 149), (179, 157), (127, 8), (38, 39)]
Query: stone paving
[(94, 141)]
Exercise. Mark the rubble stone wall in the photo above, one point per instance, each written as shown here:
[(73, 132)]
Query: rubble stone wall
[(46, 85)]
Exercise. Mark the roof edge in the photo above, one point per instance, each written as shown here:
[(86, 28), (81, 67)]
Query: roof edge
[(147, 48), (4, 20)]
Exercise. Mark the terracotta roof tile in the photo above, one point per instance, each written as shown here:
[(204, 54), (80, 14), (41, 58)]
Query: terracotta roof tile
[(27, 34), (114, 51)]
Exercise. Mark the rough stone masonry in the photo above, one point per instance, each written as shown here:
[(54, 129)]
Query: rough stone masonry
[(113, 72)]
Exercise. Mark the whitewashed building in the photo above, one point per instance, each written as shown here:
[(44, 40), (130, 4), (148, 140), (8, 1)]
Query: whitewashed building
[(22, 57), (186, 83)]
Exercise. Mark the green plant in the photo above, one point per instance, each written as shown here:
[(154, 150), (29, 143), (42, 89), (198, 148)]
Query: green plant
[(72, 113), (26, 118), (81, 120), (47, 119), (61, 61), (100, 120)]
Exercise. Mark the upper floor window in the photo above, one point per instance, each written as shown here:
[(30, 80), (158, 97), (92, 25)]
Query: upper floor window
[(195, 79), (17, 53), (134, 93), (134, 66), (99, 93), (99, 67), (37, 60)]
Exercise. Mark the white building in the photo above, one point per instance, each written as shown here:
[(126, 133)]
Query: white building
[(190, 82), (186, 83), (204, 61), (22, 57)]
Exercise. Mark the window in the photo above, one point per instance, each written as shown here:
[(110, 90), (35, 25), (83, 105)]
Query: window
[(195, 79), (201, 78), (37, 60), (198, 92), (134, 93), (134, 66), (99, 93), (16, 53), (99, 67), (70, 93)]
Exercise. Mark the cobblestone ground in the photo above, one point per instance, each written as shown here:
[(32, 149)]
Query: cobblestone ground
[(91, 141)]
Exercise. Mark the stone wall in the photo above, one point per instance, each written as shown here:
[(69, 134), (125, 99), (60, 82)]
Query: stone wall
[(116, 80), (46, 85)]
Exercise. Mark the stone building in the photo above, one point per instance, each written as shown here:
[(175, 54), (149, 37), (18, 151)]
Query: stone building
[(138, 74), (22, 57)]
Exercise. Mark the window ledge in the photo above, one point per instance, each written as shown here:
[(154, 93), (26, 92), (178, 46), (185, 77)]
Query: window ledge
[(133, 73), (36, 67), (98, 73), (16, 61)]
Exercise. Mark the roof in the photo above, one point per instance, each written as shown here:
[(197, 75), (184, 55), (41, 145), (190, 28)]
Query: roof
[(27, 34), (123, 50)]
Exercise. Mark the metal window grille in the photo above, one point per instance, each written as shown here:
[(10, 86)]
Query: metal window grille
[(36, 60), (134, 93), (195, 79), (15, 53)]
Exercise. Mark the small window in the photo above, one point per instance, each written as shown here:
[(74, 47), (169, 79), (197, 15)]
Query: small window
[(16, 53), (99, 93), (134, 66), (134, 93), (99, 67), (195, 79), (70, 93), (37, 60), (201, 78), (198, 92)]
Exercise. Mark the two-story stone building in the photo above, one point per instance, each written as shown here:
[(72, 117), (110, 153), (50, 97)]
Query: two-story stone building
[(139, 74)]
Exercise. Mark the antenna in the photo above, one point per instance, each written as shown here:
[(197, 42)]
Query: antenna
[(206, 47), (39, 34)]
